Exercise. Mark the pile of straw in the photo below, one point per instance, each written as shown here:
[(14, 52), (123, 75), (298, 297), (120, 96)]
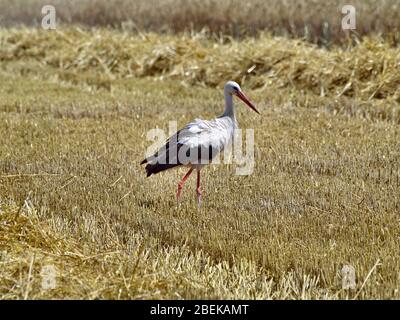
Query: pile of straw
[(369, 70)]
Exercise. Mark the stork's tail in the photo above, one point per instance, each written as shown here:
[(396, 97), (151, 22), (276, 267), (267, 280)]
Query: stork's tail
[(157, 167)]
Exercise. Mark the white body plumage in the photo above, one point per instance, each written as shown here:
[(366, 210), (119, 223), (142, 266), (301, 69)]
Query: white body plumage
[(200, 141)]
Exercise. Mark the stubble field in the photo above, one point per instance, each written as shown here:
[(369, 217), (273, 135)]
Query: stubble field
[(75, 109)]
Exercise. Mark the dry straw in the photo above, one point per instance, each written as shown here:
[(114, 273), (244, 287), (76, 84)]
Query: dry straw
[(369, 70), (28, 246)]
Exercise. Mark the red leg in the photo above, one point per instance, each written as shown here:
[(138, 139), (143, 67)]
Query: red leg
[(182, 182), (198, 191)]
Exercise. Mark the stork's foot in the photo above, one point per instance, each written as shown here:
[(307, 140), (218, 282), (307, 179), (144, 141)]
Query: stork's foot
[(198, 191), (178, 193), (181, 183)]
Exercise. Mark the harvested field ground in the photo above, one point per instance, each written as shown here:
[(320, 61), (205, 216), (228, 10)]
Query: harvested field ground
[(75, 109)]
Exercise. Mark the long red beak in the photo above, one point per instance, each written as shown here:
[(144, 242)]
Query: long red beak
[(246, 100)]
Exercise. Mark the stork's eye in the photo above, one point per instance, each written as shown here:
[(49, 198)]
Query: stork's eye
[(236, 89)]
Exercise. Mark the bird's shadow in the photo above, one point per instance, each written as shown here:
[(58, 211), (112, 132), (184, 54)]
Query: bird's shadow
[(172, 204)]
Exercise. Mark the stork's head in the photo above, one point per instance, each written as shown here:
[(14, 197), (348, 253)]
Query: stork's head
[(232, 88)]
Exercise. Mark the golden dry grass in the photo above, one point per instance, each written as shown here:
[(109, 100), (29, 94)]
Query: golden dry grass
[(370, 70), (324, 192), (317, 21), (145, 271)]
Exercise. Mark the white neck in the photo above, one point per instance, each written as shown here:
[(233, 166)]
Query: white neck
[(229, 107)]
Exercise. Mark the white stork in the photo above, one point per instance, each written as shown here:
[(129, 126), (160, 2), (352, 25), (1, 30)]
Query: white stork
[(199, 142)]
